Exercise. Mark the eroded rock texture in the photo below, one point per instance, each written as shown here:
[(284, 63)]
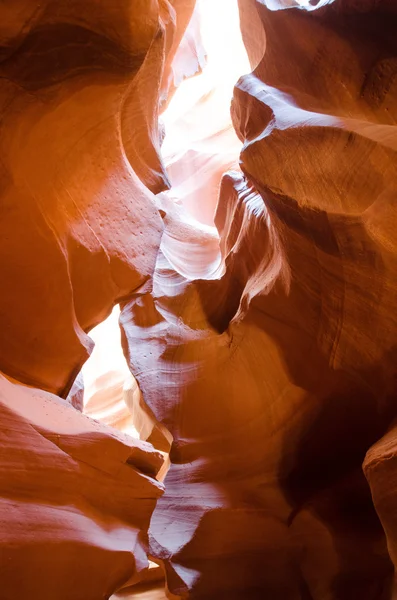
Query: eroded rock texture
[(76, 500), (80, 149), (80, 86), (274, 370), (264, 350)]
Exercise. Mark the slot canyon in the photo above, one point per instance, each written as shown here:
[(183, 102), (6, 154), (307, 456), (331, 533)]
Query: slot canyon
[(198, 308)]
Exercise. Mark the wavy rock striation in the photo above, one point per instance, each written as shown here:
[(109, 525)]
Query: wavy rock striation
[(275, 371), (80, 88), (79, 152), (264, 350)]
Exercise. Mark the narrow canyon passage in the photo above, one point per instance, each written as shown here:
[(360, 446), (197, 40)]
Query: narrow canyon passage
[(199, 146), (198, 311)]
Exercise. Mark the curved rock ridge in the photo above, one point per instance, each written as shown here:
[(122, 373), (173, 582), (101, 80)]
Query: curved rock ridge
[(276, 374), (317, 118), (80, 87), (76, 500), (215, 513), (80, 92), (264, 349)]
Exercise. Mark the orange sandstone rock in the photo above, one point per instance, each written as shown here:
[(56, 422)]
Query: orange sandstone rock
[(79, 228), (76, 500), (264, 351), (275, 372)]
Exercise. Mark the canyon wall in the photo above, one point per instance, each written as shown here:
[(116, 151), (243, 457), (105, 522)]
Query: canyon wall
[(76, 500), (80, 84), (275, 371), (264, 347)]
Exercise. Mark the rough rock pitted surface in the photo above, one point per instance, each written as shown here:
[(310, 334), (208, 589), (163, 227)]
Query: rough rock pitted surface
[(79, 89)]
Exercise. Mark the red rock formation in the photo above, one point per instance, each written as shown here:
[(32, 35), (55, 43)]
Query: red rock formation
[(264, 352), (76, 500), (322, 106), (79, 153), (79, 230), (276, 377)]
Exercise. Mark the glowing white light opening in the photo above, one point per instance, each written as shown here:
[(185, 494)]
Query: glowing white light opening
[(197, 117), (208, 94), (200, 143)]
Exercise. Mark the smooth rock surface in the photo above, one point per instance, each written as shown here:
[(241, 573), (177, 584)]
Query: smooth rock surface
[(80, 92), (275, 371), (79, 229), (76, 500), (263, 349)]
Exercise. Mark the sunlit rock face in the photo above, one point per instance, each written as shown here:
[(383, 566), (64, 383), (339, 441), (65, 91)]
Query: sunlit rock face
[(199, 145), (105, 375), (76, 500), (80, 90), (274, 370), (262, 349), (79, 95), (106, 391), (317, 116)]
